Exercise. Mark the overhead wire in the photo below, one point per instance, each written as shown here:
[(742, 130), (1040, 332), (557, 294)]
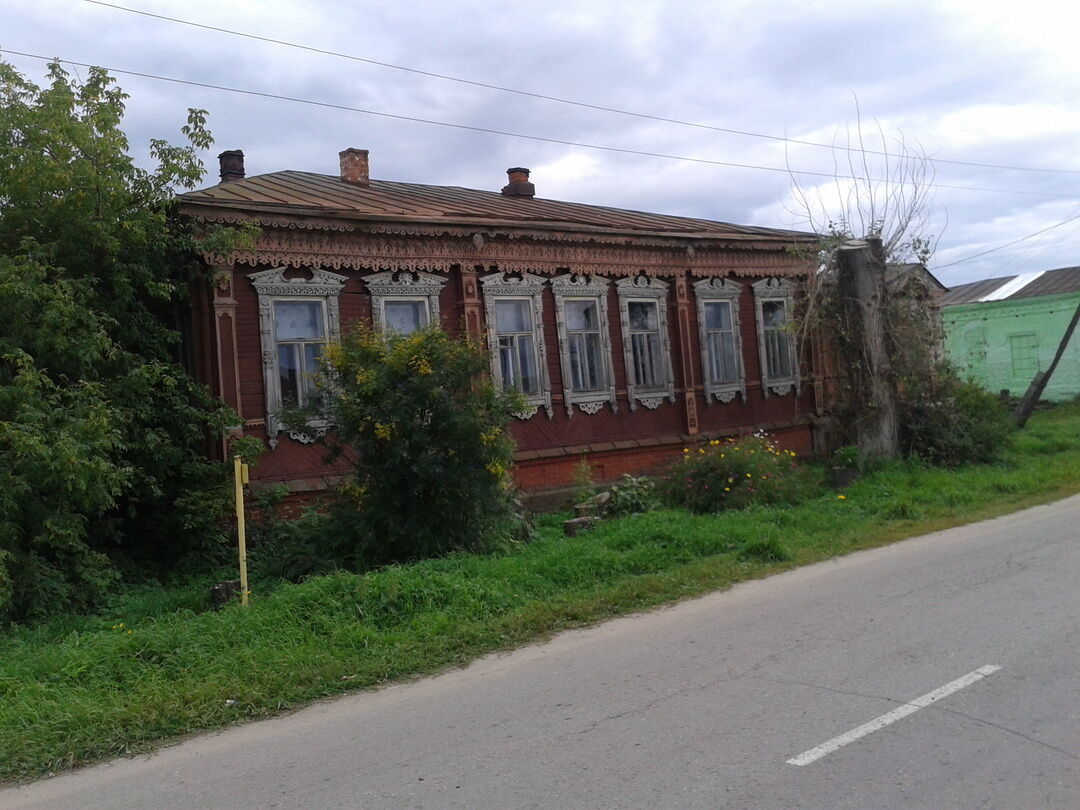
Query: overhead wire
[(504, 133), (982, 253), (560, 100)]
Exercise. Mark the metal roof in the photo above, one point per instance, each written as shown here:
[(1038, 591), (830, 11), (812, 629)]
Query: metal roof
[(1051, 282), (307, 193)]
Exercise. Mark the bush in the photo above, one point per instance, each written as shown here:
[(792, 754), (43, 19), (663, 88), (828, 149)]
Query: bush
[(734, 473), (949, 422), (425, 431), (634, 494)]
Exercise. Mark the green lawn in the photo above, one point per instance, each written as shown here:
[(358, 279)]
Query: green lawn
[(158, 665)]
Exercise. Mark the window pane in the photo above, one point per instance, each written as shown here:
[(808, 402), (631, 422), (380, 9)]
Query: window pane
[(299, 320), (646, 355), (730, 372), (585, 361), (772, 313), (718, 315), (405, 317), (582, 315), (289, 373), (312, 351), (642, 316), (528, 381), (512, 316)]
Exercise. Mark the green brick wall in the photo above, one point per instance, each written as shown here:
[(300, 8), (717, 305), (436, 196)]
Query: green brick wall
[(1001, 344)]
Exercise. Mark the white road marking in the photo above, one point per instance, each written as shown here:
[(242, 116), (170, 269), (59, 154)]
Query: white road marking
[(806, 757)]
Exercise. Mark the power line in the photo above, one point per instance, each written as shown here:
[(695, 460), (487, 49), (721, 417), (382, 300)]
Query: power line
[(504, 133), (1009, 244), (557, 99)]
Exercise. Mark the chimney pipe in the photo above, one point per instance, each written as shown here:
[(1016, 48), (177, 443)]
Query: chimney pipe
[(231, 162), (354, 166), (519, 185)]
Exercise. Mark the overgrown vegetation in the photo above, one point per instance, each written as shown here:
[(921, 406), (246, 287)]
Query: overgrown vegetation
[(102, 433), (84, 688), (425, 433), (733, 474)]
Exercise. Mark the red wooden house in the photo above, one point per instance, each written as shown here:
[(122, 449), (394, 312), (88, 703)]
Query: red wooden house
[(629, 333)]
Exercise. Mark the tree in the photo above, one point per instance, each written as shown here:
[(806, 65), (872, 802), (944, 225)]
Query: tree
[(104, 432), (873, 220), (425, 431)]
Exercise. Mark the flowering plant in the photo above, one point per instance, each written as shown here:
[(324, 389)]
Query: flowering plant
[(733, 473)]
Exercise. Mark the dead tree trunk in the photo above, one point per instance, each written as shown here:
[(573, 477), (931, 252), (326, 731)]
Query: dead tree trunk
[(860, 287)]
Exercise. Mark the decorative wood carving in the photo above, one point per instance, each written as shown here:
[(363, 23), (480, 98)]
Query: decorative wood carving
[(644, 288), (404, 284), (270, 285), (363, 246), (782, 290), (522, 285), (577, 285), (721, 289)]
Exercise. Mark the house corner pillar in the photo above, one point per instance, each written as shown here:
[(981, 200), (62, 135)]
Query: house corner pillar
[(471, 303), (226, 380)]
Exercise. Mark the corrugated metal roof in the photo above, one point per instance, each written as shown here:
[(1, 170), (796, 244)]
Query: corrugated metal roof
[(309, 193), (1051, 282)]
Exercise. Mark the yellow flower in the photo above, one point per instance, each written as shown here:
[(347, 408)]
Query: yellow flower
[(841, 497), (382, 431), (748, 475), (727, 489), (701, 450), (686, 449)]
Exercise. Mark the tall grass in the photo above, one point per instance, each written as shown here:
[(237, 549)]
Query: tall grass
[(158, 664)]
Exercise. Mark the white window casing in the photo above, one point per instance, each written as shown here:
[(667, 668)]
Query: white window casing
[(396, 296), (646, 347), (720, 336), (277, 297), (514, 313), (774, 299), (584, 342)]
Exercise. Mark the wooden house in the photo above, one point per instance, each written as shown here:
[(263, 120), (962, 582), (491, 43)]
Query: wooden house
[(629, 334)]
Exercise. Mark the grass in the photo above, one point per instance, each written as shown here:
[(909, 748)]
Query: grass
[(157, 665)]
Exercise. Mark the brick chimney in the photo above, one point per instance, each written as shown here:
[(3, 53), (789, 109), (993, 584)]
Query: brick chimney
[(519, 185), (354, 166), (231, 162)]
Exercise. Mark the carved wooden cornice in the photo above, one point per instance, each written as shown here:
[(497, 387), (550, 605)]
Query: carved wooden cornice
[(441, 253)]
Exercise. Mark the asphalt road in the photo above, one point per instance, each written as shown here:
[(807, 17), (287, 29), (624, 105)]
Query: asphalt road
[(703, 705)]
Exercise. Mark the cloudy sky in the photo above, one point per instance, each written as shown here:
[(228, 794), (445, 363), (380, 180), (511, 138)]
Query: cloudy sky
[(963, 81)]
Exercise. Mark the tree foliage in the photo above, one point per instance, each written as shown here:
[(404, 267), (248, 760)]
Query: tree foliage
[(103, 432)]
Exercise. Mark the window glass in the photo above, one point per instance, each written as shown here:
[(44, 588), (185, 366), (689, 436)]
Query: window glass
[(582, 315), (403, 316), (642, 316), (720, 342), (512, 316), (717, 315), (645, 343), (299, 320), (772, 313)]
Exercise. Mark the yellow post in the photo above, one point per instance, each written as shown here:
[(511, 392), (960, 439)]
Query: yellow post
[(240, 476)]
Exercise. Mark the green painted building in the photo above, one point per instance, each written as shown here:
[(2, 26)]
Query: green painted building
[(1001, 331)]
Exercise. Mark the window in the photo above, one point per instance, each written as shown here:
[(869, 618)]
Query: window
[(297, 317), (403, 302), (300, 334), (773, 301), (1024, 354), (643, 307), (721, 342), (513, 305), (584, 342)]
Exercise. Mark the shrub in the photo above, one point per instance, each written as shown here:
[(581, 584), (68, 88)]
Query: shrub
[(732, 474), (949, 422), (425, 431), (635, 493)]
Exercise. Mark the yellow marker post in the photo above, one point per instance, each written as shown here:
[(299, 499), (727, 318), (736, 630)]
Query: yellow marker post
[(240, 476)]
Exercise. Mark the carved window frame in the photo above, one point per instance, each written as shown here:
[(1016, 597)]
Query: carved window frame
[(404, 285), (272, 286), (713, 290), (782, 290), (578, 286), (518, 287), (654, 291)]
